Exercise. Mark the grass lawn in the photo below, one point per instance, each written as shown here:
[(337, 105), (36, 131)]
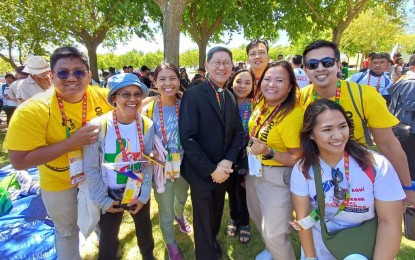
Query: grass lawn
[(231, 247)]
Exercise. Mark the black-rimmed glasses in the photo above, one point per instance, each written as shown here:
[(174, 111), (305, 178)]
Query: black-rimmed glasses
[(339, 192)]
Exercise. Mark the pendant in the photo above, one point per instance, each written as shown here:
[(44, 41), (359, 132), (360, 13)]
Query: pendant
[(220, 90)]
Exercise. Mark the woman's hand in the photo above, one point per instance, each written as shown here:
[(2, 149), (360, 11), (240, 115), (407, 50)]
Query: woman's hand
[(135, 206), (259, 147), (114, 208)]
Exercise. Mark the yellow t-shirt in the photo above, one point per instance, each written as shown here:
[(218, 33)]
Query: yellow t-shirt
[(38, 122), (281, 136), (374, 106)]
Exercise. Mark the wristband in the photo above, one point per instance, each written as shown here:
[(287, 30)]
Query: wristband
[(310, 258), (409, 187), (270, 155)]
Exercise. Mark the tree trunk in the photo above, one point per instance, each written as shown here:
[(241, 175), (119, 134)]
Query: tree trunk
[(93, 60), (172, 16), (202, 51)]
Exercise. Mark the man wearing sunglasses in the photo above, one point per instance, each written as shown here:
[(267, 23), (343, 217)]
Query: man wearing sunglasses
[(48, 131), (376, 76), (321, 63)]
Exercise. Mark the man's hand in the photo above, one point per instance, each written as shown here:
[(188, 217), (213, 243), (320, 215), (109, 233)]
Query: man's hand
[(85, 135), (225, 164), (221, 174)]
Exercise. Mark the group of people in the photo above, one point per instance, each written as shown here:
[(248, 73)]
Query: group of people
[(255, 136)]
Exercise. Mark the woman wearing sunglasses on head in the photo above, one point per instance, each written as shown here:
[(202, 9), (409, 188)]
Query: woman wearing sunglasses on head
[(118, 175), (171, 188), (274, 129), (356, 185)]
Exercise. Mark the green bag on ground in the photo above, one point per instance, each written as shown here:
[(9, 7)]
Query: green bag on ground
[(5, 201)]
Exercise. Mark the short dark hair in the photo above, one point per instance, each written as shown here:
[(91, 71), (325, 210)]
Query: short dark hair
[(344, 63), (256, 42), (321, 44), (67, 51), (111, 69), (8, 75), (130, 67), (411, 61), (380, 55), (297, 59), (216, 49), (124, 67), (144, 68)]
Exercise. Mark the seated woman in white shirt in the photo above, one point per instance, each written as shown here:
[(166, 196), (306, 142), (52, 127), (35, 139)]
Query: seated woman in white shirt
[(326, 140)]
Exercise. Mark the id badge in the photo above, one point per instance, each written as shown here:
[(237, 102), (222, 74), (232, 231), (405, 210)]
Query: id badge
[(176, 164), (254, 163), (168, 170), (307, 222), (132, 188), (76, 166)]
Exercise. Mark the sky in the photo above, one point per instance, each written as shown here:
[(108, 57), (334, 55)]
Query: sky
[(186, 43)]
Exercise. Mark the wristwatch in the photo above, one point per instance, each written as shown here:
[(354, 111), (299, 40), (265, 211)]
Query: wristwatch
[(409, 187), (270, 155)]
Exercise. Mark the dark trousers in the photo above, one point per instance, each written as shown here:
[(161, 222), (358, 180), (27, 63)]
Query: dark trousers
[(9, 112), (110, 226), (207, 216), (237, 199), (409, 149)]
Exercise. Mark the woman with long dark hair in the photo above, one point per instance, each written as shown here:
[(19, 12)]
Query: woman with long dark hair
[(357, 183), (274, 129), (242, 86)]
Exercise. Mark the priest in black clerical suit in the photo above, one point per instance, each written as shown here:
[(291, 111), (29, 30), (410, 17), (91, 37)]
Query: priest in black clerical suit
[(211, 135)]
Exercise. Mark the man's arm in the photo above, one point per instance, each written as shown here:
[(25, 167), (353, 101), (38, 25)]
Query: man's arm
[(390, 147), (22, 160)]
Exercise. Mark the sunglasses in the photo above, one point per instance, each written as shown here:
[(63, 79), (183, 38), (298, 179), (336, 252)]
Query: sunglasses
[(339, 192), (128, 95), (327, 62), (64, 74)]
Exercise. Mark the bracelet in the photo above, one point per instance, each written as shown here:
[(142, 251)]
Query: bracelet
[(409, 187), (310, 258)]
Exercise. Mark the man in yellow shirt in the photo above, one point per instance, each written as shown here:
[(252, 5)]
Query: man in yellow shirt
[(321, 62), (48, 131)]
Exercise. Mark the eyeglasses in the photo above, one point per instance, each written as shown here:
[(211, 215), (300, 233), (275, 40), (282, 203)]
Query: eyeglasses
[(127, 95), (327, 62), (217, 64), (339, 192), (64, 74)]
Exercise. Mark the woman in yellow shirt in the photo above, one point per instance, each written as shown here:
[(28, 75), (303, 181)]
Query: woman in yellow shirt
[(274, 129)]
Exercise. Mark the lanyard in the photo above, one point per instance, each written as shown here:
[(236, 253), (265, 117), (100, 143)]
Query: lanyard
[(346, 172), (266, 122), (217, 94), (117, 131), (163, 130), (377, 84), (338, 91), (64, 118), (247, 109)]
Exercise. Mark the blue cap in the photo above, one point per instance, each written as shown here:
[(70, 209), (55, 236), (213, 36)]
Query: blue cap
[(119, 81)]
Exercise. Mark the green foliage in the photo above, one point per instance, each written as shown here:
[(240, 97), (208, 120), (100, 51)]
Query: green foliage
[(189, 58), (134, 58), (373, 30)]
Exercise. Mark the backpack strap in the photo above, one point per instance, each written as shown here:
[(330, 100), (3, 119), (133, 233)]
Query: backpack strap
[(363, 119), (361, 76)]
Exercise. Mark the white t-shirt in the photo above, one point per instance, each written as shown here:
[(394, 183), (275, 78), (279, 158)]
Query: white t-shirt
[(113, 154), (363, 193), (302, 79)]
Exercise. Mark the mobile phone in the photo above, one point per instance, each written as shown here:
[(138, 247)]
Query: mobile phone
[(123, 206)]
